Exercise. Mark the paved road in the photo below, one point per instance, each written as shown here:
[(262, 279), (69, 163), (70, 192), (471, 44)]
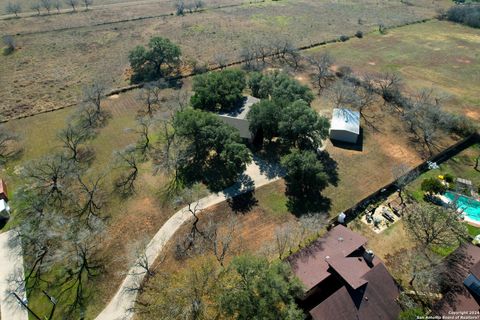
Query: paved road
[(11, 269), (120, 307)]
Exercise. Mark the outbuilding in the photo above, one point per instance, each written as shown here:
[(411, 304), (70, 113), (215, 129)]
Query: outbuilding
[(238, 118), (345, 125)]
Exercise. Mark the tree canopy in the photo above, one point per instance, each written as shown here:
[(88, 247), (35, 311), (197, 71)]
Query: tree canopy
[(302, 126), (433, 185), (159, 59), (305, 179), (279, 87), (214, 152), (258, 289), (264, 118), (431, 225), (218, 91)]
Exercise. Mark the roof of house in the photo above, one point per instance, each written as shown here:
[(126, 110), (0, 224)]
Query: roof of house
[(310, 265), (345, 120), (351, 269), (242, 111), (462, 300), (376, 299)]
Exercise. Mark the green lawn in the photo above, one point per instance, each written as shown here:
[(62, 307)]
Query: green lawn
[(459, 166)]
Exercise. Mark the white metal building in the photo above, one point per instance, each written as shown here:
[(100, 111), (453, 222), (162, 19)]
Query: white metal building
[(238, 118), (345, 125)]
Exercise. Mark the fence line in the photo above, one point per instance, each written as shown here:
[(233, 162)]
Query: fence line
[(384, 192), (191, 74)]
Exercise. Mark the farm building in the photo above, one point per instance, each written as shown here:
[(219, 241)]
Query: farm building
[(345, 125), (238, 118), (343, 280)]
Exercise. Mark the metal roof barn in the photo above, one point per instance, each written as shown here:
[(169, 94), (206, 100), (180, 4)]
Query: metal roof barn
[(345, 125)]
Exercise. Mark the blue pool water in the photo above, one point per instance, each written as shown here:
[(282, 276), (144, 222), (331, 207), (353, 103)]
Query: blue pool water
[(469, 206)]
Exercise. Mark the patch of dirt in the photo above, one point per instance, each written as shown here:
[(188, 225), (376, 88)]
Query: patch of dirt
[(473, 113)]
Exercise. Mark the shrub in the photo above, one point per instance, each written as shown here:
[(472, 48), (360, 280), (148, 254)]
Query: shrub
[(344, 38), (359, 34), (9, 43), (468, 14), (433, 185), (448, 178)]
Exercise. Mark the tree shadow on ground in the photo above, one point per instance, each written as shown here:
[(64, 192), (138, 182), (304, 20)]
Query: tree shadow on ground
[(243, 203), (330, 166), (244, 183), (301, 205), (3, 222)]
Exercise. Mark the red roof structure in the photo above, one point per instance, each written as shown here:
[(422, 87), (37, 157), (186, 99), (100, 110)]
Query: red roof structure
[(374, 300), (343, 280), (310, 265), (3, 190)]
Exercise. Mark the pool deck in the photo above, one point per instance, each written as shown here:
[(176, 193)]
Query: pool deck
[(468, 220)]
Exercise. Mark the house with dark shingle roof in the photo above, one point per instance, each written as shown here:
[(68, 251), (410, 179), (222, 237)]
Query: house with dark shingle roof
[(465, 295), (343, 280)]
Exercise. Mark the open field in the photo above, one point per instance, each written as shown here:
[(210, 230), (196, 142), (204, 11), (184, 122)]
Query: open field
[(58, 63), (438, 54), (108, 13)]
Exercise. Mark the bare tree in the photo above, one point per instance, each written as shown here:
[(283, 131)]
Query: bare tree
[(36, 6), (9, 43), (150, 98), (128, 162), (57, 5), (180, 8), (8, 145), (221, 241), (84, 265), (221, 60), (390, 85), (424, 118), (50, 177), (199, 4), (403, 175), (92, 199), (73, 137), (72, 3), (434, 226), (47, 4), (87, 3), (89, 118), (13, 8), (169, 156), (322, 65), (284, 238), (94, 93), (144, 143)]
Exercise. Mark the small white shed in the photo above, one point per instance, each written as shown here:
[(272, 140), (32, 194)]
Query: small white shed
[(345, 125), (238, 118)]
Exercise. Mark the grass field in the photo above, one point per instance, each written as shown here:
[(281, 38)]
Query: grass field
[(437, 54), (58, 63), (135, 219)]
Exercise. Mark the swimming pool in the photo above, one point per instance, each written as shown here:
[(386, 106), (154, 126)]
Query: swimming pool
[(469, 206)]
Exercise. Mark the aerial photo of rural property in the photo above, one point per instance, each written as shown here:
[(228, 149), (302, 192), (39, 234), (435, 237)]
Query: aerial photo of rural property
[(239, 159)]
